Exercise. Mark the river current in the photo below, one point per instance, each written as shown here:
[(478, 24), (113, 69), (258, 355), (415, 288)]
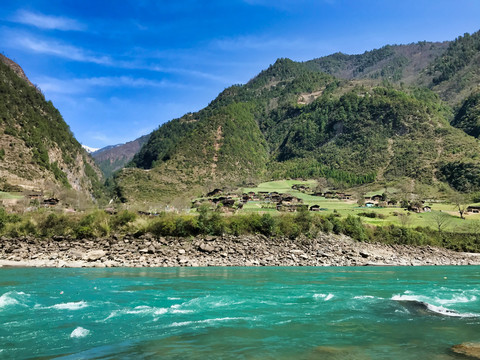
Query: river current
[(238, 313)]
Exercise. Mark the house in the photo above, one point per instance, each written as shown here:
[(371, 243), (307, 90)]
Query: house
[(473, 209), (291, 200), (343, 196), (228, 202), (300, 187), (245, 198), (35, 195), (218, 200), (376, 198), (214, 192), (51, 202), (315, 208), (263, 194), (427, 209), (329, 195), (415, 207)]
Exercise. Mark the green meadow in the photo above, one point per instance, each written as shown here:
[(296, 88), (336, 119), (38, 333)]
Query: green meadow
[(442, 212)]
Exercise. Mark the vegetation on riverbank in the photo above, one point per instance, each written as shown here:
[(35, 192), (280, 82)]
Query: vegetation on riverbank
[(303, 224)]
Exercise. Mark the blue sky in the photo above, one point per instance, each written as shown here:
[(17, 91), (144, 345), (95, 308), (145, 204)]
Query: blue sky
[(116, 70)]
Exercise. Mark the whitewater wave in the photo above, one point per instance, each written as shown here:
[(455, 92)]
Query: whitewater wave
[(212, 302), (207, 321), (79, 332), (363, 297), (12, 298), (146, 310), (325, 297), (70, 306), (416, 304)]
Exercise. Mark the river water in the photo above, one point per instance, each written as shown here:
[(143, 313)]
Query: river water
[(238, 313)]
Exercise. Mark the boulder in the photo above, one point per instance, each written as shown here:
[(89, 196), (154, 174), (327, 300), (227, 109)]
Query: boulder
[(207, 248), (95, 255), (468, 349)]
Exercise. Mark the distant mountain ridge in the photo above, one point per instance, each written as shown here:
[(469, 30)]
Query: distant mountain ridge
[(114, 157)]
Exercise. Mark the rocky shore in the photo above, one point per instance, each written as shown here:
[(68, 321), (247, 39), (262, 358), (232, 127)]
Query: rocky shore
[(249, 250)]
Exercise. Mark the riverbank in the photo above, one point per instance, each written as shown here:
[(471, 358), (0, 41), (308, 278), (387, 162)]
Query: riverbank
[(248, 250)]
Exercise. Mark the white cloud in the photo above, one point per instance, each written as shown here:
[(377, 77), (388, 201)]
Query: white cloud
[(60, 50), (271, 45), (47, 21), (195, 73), (84, 85)]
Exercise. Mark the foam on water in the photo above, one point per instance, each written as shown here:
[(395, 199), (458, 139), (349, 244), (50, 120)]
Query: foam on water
[(438, 309), (70, 306), (148, 310), (362, 297), (207, 321), (11, 298), (79, 332), (325, 297)]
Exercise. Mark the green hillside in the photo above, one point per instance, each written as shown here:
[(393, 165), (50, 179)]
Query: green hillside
[(456, 73), (468, 116), (359, 124), (393, 63)]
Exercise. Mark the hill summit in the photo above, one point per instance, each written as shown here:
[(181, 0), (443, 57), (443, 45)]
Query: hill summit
[(382, 116)]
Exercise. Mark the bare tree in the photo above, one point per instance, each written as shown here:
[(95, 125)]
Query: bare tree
[(441, 220), (405, 219), (321, 185), (460, 203)]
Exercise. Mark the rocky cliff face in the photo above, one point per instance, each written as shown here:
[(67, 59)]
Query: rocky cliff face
[(16, 69)]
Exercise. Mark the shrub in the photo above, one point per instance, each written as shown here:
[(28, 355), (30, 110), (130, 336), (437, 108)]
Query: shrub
[(3, 219), (122, 219), (95, 224), (267, 225), (354, 228), (209, 222), (288, 227), (54, 224)]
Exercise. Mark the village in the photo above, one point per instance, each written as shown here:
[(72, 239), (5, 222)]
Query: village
[(230, 202)]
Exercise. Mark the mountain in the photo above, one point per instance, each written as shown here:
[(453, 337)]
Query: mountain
[(468, 116), (114, 157), (382, 116), (393, 63), (37, 148), (89, 149)]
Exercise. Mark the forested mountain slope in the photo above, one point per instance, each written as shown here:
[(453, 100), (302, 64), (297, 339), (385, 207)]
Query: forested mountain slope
[(380, 116), (37, 148)]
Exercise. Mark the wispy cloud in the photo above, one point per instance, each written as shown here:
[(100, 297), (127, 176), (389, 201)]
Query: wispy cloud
[(49, 22), (66, 51), (196, 73), (85, 85), (266, 44), (60, 50)]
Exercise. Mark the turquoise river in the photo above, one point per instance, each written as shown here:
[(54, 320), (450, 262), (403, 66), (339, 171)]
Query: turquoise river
[(238, 313)]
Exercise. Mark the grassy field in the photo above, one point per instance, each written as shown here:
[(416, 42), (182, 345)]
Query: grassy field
[(6, 195), (441, 211)]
